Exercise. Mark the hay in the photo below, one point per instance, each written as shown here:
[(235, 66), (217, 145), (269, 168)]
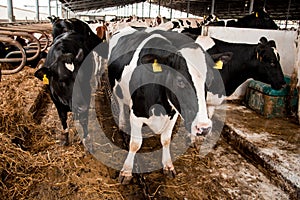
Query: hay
[(32, 165)]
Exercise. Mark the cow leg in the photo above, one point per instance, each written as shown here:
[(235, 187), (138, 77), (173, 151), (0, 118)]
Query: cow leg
[(122, 120), (165, 139), (63, 115), (134, 145), (87, 141)]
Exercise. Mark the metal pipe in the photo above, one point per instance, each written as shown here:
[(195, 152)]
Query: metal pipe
[(287, 14), (159, 7), (149, 8), (43, 38), (56, 8), (10, 13), (251, 6), (212, 7), (49, 7), (171, 9), (188, 8), (23, 34), (23, 60), (143, 10), (37, 10)]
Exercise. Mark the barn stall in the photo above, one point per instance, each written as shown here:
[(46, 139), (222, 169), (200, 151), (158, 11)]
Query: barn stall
[(250, 159)]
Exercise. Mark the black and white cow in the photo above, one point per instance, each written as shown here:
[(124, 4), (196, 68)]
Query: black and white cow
[(159, 75), (259, 19), (258, 61), (60, 26), (59, 72)]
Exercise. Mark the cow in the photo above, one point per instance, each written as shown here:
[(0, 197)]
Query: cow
[(59, 72), (160, 75), (259, 19), (60, 26), (258, 61)]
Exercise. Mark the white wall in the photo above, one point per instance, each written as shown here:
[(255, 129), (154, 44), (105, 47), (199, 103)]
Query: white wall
[(285, 41), (22, 14)]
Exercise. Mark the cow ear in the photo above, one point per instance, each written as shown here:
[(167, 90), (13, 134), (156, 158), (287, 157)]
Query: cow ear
[(149, 58), (263, 40), (41, 72), (272, 43), (225, 57)]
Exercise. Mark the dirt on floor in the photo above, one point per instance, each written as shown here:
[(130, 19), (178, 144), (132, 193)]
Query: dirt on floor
[(34, 165)]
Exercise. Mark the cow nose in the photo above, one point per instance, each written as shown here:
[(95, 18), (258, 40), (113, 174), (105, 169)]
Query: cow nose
[(203, 131)]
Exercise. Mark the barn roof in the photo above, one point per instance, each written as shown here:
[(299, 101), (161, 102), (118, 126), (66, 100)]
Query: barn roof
[(278, 9)]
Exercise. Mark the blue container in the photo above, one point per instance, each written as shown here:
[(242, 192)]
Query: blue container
[(269, 102)]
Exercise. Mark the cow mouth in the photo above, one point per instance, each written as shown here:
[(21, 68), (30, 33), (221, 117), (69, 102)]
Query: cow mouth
[(202, 131)]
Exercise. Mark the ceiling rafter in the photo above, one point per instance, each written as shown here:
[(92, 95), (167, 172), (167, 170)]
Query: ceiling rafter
[(278, 9)]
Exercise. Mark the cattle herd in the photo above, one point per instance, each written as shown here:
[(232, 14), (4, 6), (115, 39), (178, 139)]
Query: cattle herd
[(160, 73)]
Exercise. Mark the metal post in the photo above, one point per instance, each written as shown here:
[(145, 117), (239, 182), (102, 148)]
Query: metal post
[(171, 9), (136, 9), (56, 8), (37, 10), (188, 8), (159, 7), (251, 6), (212, 7), (143, 10), (287, 14), (150, 9), (132, 10), (10, 13), (49, 7)]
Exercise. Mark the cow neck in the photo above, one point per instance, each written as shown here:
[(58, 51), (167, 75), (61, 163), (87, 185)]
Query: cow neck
[(246, 70)]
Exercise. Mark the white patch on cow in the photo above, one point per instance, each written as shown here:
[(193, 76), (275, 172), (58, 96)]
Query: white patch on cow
[(196, 63), (70, 67), (275, 52), (212, 101), (125, 78), (205, 42), (114, 40)]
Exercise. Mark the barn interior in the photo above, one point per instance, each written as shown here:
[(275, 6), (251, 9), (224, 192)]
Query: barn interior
[(227, 9), (256, 155)]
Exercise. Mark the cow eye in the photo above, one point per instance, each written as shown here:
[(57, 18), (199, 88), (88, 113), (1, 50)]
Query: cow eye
[(180, 82)]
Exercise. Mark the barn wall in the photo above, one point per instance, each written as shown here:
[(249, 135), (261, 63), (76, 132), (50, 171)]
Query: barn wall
[(285, 41)]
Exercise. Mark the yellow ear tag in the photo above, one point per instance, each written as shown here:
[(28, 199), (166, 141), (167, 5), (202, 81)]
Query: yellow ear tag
[(45, 80), (218, 65), (156, 67), (256, 14)]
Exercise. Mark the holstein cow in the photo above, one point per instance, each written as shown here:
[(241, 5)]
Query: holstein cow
[(60, 71), (60, 26), (258, 61), (259, 19), (159, 75)]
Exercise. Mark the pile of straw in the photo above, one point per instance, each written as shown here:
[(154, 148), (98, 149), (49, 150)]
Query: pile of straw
[(32, 165)]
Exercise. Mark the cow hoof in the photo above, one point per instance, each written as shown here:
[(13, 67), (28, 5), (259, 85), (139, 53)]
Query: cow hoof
[(124, 178), (87, 142), (171, 173)]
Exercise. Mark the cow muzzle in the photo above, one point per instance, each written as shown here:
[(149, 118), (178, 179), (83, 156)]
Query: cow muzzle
[(202, 130)]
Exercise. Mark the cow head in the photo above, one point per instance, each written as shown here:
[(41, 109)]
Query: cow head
[(62, 63), (269, 68)]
